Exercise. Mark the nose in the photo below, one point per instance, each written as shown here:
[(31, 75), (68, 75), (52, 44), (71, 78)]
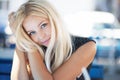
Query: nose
[(41, 36)]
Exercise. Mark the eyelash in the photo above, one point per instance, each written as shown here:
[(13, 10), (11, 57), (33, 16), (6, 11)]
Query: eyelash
[(31, 33), (43, 25)]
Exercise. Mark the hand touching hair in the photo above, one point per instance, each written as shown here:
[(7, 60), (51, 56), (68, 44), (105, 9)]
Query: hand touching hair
[(11, 19)]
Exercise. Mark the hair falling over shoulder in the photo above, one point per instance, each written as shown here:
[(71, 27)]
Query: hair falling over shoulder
[(60, 46)]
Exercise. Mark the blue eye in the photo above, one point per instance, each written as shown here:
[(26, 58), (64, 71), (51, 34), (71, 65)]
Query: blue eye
[(43, 25), (31, 33)]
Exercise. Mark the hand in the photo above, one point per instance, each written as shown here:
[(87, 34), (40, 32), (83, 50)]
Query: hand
[(11, 19), (19, 70), (38, 67)]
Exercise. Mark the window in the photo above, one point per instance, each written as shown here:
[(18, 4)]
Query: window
[(4, 4)]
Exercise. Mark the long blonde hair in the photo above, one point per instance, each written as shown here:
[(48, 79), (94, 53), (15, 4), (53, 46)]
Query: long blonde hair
[(60, 46)]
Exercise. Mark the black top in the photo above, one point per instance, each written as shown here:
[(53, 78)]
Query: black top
[(76, 43)]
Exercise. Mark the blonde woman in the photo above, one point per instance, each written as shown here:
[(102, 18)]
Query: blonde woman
[(44, 50)]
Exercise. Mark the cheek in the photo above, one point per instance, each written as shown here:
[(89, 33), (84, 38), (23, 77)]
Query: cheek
[(34, 39), (48, 31)]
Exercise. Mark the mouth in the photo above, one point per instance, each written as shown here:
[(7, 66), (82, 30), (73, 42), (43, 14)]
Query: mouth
[(46, 42)]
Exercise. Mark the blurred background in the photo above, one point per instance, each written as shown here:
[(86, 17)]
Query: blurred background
[(96, 19)]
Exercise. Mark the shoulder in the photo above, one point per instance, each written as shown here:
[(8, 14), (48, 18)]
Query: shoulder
[(80, 41)]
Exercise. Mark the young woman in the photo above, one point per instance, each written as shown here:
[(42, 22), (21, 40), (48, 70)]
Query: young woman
[(44, 49)]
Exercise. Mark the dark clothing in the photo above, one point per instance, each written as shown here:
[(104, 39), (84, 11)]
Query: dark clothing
[(76, 43)]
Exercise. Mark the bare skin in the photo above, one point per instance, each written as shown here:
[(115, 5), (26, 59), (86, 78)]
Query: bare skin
[(72, 66), (19, 68), (82, 57), (38, 29)]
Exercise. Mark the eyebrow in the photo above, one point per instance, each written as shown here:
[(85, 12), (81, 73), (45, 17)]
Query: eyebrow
[(37, 26), (40, 23)]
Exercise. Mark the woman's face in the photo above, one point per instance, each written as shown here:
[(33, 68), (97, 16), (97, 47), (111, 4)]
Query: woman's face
[(38, 29)]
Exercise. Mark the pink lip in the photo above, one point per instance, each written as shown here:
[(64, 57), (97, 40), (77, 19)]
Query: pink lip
[(46, 42)]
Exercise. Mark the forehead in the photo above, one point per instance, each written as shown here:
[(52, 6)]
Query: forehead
[(33, 20)]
